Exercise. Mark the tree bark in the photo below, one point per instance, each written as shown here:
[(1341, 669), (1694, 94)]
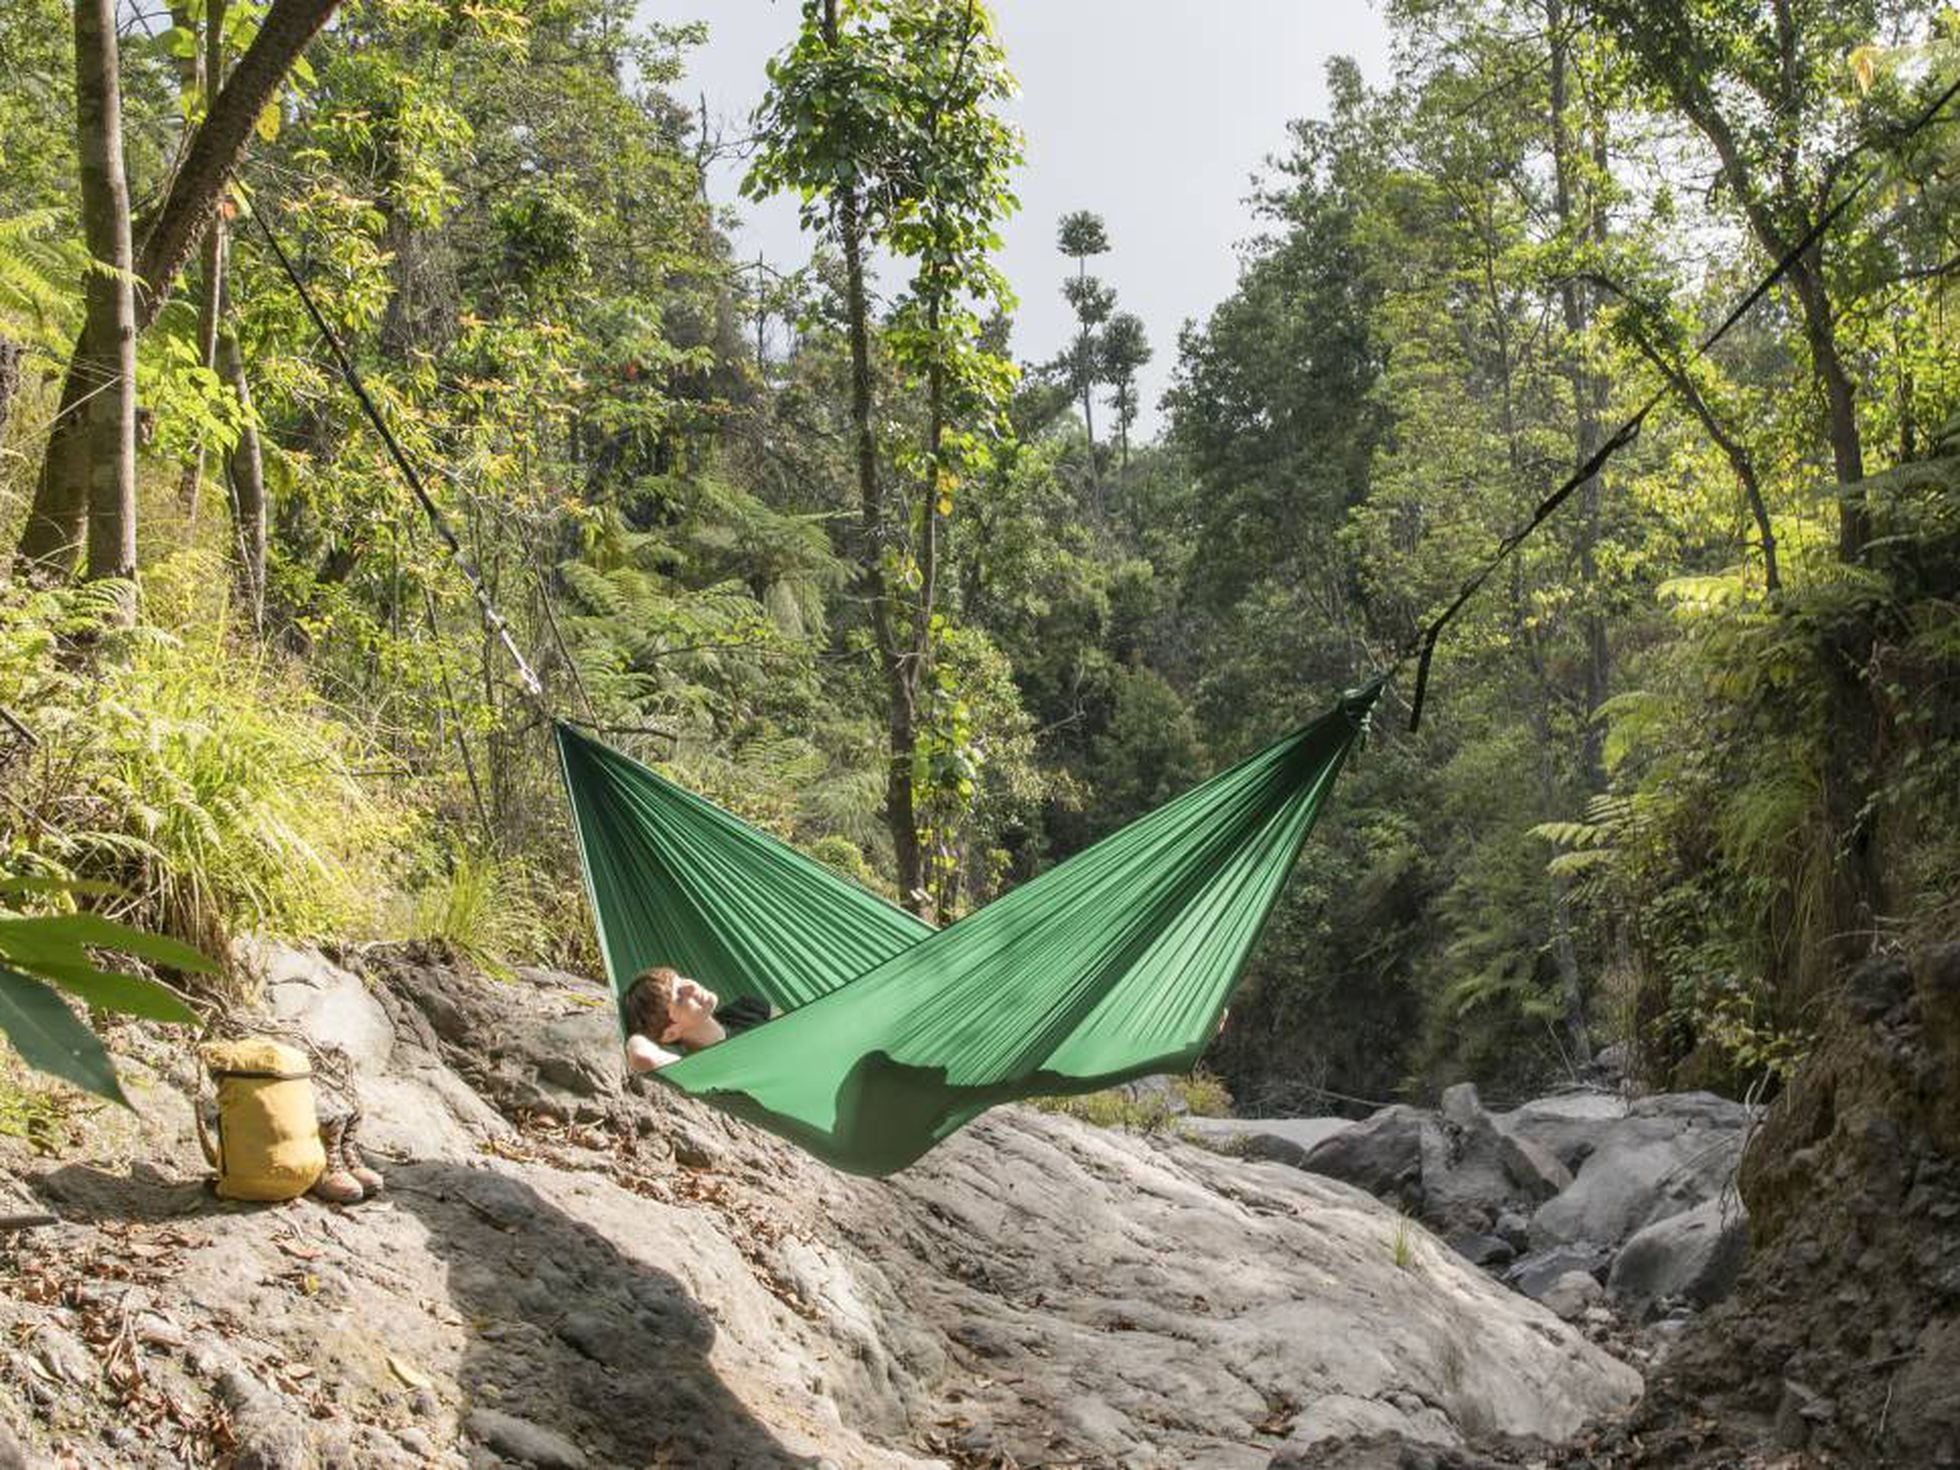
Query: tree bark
[(245, 482), (52, 538), (901, 816), (1588, 387), (201, 81), (1741, 462), (105, 426), (10, 355)]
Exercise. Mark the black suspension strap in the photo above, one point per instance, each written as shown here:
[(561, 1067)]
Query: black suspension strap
[(1423, 647), (437, 521)]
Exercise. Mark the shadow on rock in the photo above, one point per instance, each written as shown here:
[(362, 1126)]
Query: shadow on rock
[(144, 1196), (580, 1355)]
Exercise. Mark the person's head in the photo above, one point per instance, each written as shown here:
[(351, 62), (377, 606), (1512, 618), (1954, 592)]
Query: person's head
[(666, 1007)]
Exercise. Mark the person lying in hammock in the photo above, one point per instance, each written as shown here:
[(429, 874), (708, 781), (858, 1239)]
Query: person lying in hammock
[(668, 1015)]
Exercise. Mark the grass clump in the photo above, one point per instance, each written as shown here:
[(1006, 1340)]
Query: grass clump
[(1151, 1105), (207, 787)]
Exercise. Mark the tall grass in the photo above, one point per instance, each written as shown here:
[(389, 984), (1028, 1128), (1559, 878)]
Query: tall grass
[(204, 782)]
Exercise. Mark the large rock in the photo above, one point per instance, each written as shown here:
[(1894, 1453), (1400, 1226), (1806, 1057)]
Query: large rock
[(1567, 1125), (1035, 1291), (1473, 1173), (1382, 1154), (1277, 1140), (1694, 1256), (1669, 1154)]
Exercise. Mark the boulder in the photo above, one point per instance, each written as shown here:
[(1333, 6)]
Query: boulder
[(1035, 1290), (1568, 1297), (1381, 1154), (1568, 1125), (1669, 1154), (331, 1005), (1488, 1251), (1472, 1172), (1532, 1275), (1279, 1140), (1694, 1256)]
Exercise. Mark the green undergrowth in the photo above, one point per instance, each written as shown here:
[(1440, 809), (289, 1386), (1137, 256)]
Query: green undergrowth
[(1151, 1107), (203, 781)]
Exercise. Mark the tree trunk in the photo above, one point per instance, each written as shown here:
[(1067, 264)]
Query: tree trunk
[(219, 147), (105, 425), (10, 355), (202, 78), (51, 541), (216, 255), (245, 480), (1588, 388), (945, 882), (901, 816)]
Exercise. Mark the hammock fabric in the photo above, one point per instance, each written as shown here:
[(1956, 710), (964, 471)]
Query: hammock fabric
[(1110, 966)]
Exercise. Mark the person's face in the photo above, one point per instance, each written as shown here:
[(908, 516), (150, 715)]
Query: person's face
[(693, 1004)]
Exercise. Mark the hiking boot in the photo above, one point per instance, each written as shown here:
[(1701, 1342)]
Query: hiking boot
[(352, 1160), (338, 1185)]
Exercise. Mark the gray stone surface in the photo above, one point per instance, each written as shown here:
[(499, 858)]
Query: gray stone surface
[(1473, 1173), (1694, 1256), (1066, 1294), (1567, 1125), (1533, 1274), (1382, 1154), (525, 1442), (1568, 1297), (1669, 1154), (1303, 1134)]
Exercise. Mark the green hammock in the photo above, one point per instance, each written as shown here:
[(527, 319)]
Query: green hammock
[(1113, 965)]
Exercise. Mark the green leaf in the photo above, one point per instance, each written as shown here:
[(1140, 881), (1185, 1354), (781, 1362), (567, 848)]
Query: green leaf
[(70, 931), (51, 1039), (58, 885), (110, 990)]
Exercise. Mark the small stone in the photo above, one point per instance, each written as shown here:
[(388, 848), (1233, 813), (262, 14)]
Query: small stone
[(1793, 1414), (520, 1439), (1571, 1294), (424, 1404), (1488, 1251), (416, 1442)]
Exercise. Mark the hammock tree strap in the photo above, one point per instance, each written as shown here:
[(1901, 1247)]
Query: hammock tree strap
[(1113, 965)]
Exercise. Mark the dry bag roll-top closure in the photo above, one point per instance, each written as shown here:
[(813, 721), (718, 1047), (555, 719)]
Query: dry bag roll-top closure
[(268, 1137)]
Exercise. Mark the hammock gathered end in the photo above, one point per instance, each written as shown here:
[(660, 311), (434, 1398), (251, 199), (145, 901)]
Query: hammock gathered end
[(1113, 965)]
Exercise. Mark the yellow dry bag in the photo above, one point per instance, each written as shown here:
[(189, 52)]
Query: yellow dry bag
[(268, 1145)]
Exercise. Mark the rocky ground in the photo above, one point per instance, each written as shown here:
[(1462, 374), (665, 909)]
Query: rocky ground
[(570, 1269), (1820, 1326)]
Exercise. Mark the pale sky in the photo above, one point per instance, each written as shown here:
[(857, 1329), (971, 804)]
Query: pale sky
[(1155, 114)]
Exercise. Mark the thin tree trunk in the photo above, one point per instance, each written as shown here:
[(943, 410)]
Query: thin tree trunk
[(1083, 369), (204, 75), (245, 481), (10, 355), (1588, 396), (901, 816), (106, 432), (1741, 462), (51, 541), (946, 882), (216, 256)]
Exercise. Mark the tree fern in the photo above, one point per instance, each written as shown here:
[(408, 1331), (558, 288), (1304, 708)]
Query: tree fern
[(40, 276)]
